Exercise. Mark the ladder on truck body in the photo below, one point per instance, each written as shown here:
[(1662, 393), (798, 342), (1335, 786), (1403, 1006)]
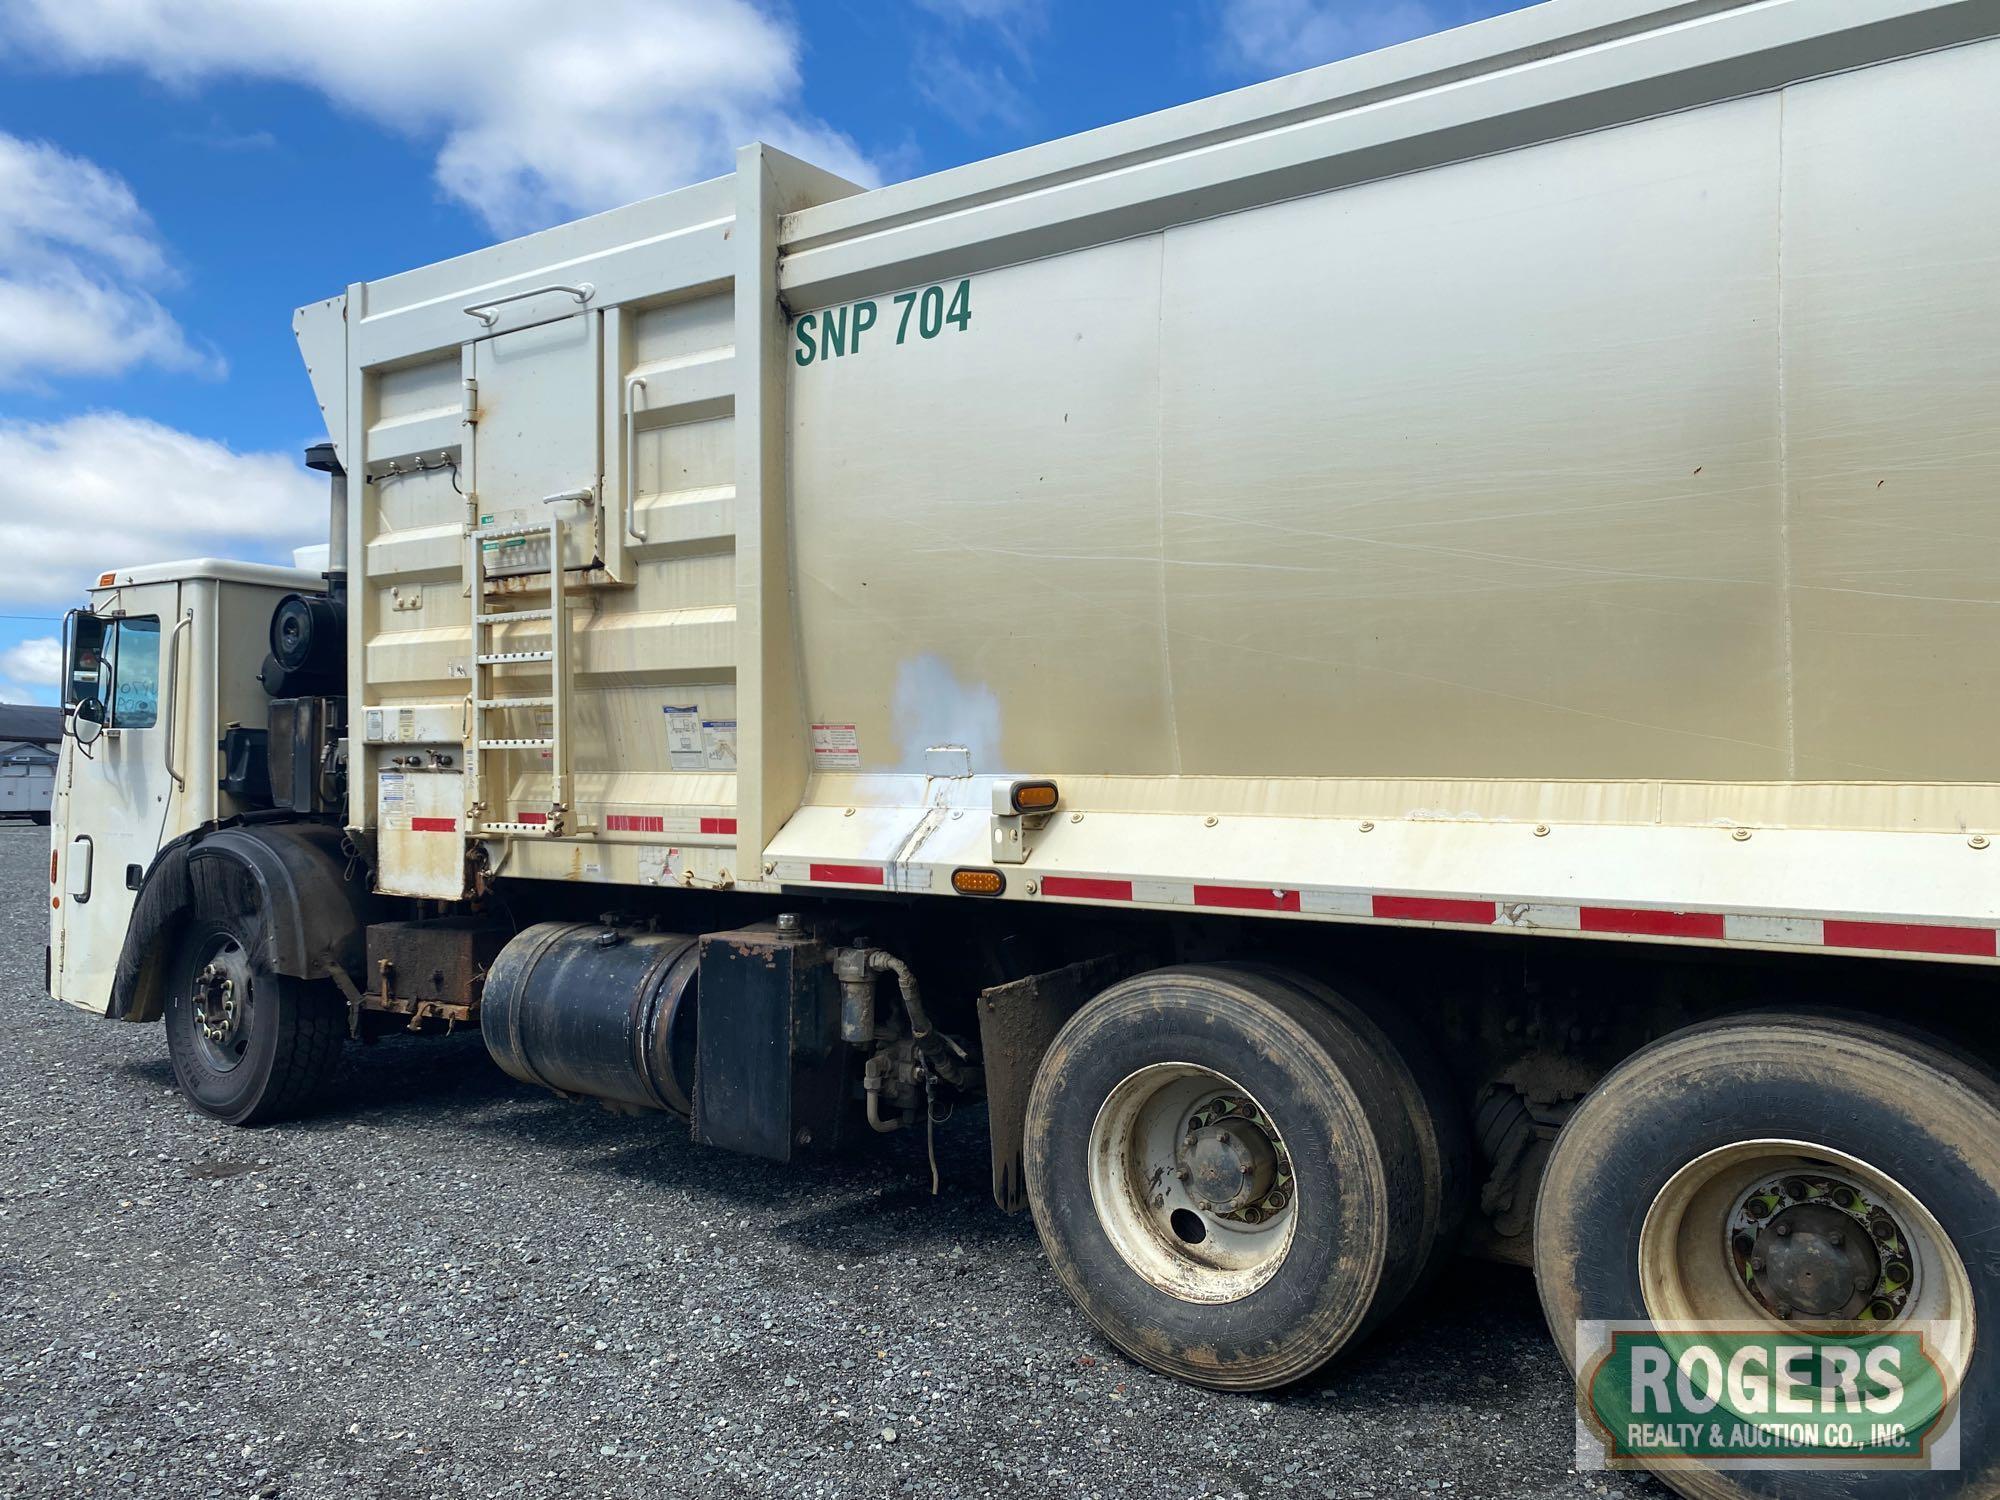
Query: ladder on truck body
[(491, 698)]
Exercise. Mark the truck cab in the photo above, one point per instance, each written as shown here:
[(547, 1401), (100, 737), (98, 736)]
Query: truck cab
[(160, 664)]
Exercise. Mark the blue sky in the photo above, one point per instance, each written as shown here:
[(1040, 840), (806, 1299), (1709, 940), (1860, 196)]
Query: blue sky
[(177, 175)]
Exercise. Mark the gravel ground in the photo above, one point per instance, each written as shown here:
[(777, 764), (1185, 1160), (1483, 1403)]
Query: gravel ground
[(454, 1285)]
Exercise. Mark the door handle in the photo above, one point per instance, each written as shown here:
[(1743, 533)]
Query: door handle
[(80, 850)]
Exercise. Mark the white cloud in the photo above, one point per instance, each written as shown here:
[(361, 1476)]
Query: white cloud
[(106, 490), (31, 670), (541, 109), (78, 262), (995, 11), (971, 97), (1282, 36), (1015, 21), (979, 95)]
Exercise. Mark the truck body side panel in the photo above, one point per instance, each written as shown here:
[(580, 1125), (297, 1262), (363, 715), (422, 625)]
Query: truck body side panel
[(1529, 479)]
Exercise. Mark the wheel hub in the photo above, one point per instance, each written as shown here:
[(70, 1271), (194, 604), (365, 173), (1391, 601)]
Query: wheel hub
[(215, 1004), (1192, 1183), (1228, 1167), (1233, 1161), (219, 999), (1819, 1246), (1817, 1260)]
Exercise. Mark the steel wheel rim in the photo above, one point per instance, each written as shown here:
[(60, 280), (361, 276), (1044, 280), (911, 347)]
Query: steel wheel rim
[(220, 1002), (1708, 1249), (1192, 1183)]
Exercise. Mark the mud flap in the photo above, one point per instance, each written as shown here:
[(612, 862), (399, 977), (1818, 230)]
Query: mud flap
[(1017, 1021)]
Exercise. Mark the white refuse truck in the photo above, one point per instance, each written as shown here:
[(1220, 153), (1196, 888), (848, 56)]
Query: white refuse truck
[(1399, 661)]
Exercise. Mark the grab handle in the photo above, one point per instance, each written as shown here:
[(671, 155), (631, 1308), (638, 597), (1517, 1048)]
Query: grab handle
[(174, 697), (484, 311)]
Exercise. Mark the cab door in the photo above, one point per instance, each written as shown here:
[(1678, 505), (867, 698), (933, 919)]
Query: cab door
[(127, 666)]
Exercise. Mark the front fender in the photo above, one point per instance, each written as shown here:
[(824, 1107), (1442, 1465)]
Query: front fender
[(313, 916)]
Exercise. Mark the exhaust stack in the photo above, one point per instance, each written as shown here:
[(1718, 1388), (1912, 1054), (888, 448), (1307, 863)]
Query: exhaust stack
[(321, 458)]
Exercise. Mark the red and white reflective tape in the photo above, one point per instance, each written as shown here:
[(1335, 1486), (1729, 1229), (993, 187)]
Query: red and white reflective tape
[(433, 825), (1944, 939), (848, 874), (670, 822)]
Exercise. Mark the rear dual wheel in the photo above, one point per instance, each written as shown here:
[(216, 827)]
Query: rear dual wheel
[(1235, 1172), (1796, 1172)]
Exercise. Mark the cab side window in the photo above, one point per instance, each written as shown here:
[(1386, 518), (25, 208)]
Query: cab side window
[(117, 663), (135, 673)]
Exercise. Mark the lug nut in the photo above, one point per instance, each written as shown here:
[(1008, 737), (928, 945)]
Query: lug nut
[(1782, 1311), (1781, 1230), (1756, 1262), (1224, 1138), (1183, 1173), (1836, 1239), (1862, 1283)]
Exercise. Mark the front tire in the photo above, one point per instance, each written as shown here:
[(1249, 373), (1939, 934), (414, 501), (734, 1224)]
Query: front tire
[(1664, 1187), (1225, 1175), (248, 1046)]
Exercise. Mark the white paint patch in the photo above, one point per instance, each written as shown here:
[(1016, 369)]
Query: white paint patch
[(934, 708), (1337, 902), (1534, 914), (1755, 929)]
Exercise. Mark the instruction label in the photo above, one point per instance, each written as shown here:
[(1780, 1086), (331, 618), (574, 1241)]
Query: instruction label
[(835, 746), (718, 744), (684, 742), (391, 807)]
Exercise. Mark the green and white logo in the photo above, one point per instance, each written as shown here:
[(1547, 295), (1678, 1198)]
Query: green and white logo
[(1842, 1396)]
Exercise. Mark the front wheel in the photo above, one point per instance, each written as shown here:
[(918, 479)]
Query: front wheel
[(248, 1045)]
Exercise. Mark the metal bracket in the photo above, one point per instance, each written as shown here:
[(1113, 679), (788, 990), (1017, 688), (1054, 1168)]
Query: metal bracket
[(1011, 829), (353, 996)]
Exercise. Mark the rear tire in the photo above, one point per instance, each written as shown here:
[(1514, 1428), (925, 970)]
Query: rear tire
[(248, 1046), (1430, 1098), (1302, 1219), (1635, 1217)]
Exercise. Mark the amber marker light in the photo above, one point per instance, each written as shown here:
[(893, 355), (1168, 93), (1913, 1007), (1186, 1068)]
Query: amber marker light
[(978, 882), (1034, 796), (105, 580)]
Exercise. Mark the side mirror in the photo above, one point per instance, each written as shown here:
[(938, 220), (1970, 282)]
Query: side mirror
[(86, 721)]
